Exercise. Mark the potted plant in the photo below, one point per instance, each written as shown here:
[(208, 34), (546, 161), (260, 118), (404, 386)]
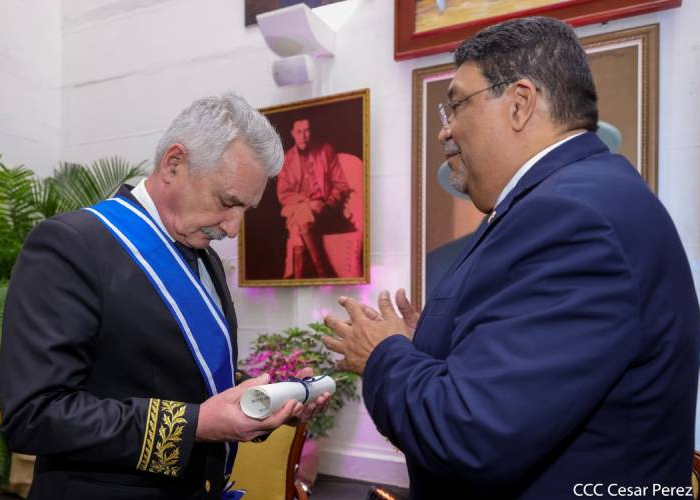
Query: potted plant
[(282, 355)]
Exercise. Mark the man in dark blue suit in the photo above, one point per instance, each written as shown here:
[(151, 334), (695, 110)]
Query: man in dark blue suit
[(559, 355)]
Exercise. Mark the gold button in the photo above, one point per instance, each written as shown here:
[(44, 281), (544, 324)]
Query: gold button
[(207, 486)]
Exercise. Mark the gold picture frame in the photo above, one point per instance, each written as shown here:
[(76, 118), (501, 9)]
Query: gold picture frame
[(423, 27), (625, 66), (283, 241)]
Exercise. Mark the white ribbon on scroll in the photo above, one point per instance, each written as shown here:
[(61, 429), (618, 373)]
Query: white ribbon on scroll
[(263, 400)]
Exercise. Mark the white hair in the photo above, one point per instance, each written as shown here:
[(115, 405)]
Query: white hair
[(208, 126)]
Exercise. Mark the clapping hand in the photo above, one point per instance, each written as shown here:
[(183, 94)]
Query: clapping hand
[(357, 337)]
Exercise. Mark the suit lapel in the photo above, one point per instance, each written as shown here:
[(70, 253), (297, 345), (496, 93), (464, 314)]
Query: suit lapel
[(216, 272), (125, 191), (574, 150)]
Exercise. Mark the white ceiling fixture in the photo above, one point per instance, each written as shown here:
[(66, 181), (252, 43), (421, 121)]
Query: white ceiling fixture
[(300, 35)]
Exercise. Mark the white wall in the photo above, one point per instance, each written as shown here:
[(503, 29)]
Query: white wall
[(30, 80), (129, 66)]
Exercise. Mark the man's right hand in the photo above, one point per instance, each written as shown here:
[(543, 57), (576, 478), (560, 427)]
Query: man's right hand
[(221, 418), (409, 313)]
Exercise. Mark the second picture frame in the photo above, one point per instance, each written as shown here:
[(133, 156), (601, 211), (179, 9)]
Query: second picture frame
[(312, 224)]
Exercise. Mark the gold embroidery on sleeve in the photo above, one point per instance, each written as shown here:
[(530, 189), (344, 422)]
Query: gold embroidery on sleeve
[(161, 449), (167, 449), (149, 434)]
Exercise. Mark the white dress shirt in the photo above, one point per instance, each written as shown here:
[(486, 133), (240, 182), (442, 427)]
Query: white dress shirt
[(528, 165), (141, 194)]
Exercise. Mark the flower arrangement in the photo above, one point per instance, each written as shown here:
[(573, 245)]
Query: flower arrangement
[(283, 355)]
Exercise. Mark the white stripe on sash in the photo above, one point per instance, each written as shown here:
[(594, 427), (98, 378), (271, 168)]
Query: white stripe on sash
[(164, 291), (212, 308)]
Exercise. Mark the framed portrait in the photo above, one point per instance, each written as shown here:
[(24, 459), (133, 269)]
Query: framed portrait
[(625, 66), (423, 27), (626, 71), (255, 7), (311, 226)]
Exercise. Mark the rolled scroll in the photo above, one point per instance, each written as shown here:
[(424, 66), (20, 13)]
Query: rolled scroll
[(263, 400)]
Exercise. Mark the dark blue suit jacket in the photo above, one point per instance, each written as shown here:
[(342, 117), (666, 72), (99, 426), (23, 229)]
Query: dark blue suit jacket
[(439, 260), (561, 348)]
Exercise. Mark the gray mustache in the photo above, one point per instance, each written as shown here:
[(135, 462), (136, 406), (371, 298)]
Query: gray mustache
[(213, 233)]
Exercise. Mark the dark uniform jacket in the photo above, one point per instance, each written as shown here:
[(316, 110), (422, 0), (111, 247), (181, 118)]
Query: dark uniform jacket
[(96, 377)]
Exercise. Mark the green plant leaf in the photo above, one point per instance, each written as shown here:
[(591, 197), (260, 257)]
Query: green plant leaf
[(17, 213), (80, 186), (26, 200)]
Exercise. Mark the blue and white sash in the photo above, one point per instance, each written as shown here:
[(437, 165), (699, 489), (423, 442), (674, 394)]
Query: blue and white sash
[(199, 318)]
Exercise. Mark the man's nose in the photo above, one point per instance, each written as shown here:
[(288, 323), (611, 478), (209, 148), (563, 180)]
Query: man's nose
[(231, 225), (444, 135)]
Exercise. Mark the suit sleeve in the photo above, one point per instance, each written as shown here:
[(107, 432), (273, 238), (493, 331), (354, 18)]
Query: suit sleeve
[(550, 332), (52, 318), (340, 189)]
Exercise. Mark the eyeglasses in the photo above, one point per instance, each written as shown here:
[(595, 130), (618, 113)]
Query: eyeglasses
[(453, 105)]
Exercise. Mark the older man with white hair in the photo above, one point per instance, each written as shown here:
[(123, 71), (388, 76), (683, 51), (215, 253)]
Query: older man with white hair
[(119, 339)]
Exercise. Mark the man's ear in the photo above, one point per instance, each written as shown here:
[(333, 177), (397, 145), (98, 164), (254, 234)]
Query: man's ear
[(173, 162), (524, 100)]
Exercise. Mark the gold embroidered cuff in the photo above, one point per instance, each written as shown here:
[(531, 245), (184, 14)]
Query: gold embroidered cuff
[(166, 440)]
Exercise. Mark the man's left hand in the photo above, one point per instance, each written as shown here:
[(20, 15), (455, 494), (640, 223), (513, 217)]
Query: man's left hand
[(312, 408), (356, 339)]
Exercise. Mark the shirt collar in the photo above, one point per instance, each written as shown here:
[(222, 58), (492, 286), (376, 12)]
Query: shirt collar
[(141, 194), (528, 165)]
